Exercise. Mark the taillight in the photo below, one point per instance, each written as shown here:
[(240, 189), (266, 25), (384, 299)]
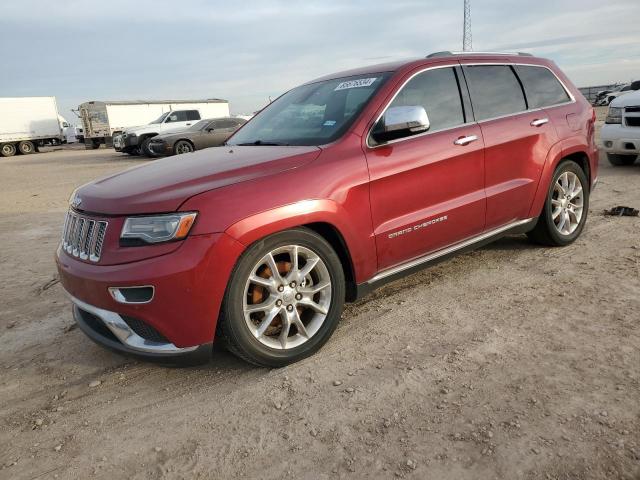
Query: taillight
[(593, 115)]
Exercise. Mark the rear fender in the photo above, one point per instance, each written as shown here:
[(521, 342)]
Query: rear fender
[(556, 154)]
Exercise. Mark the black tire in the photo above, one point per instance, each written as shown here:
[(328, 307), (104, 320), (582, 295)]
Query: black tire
[(26, 148), (182, 146), (144, 147), (621, 160), (95, 144), (7, 149), (232, 328), (545, 231)]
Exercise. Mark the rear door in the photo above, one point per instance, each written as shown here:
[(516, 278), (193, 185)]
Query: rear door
[(516, 137), (427, 190)]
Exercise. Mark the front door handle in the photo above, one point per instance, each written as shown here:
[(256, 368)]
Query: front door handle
[(465, 140), (538, 122)]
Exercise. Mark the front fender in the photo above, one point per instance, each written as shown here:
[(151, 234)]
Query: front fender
[(360, 245)]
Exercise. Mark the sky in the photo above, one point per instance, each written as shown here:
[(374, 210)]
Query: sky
[(248, 51)]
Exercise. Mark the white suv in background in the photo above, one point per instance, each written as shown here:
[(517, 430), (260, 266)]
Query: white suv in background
[(621, 130)]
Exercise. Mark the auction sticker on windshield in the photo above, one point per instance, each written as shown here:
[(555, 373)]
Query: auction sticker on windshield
[(361, 82)]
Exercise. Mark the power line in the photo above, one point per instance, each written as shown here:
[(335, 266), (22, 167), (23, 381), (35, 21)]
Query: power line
[(467, 44)]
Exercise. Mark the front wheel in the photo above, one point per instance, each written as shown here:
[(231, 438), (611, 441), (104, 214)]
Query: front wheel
[(182, 147), (565, 210), (620, 160), (284, 299)]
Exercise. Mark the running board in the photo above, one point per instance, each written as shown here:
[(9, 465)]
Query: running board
[(393, 273)]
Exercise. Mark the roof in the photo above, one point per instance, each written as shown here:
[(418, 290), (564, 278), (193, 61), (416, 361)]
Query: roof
[(432, 58), (147, 102)]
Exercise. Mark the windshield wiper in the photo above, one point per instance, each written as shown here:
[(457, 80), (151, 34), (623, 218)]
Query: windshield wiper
[(261, 142)]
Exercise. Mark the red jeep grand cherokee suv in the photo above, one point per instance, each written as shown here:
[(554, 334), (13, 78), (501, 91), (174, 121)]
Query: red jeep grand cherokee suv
[(336, 187)]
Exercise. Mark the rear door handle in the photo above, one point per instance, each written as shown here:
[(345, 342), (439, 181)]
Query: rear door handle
[(466, 140), (538, 122)]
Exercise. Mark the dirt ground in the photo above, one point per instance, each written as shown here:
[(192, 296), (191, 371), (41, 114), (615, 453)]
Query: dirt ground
[(510, 362)]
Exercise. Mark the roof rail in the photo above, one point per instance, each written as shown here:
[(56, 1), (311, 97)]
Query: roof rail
[(447, 53)]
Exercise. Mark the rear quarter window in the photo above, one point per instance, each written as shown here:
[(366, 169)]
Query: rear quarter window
[(541, 86), (495, 91)]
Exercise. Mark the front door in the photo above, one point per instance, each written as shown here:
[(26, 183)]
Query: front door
[(427, 190)]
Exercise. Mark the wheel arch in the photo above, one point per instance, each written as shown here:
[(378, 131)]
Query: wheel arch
[(324, 217), (556, 155), (188, 140)]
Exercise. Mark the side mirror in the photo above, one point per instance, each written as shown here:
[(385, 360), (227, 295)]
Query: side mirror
[(210, 129), (400, 122)]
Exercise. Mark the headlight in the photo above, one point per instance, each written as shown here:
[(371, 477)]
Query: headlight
[(614, 115), (157, 228)]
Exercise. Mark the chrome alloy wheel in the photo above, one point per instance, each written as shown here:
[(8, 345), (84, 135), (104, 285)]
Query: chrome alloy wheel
[(287, 297), (184, 147), (567, 203)]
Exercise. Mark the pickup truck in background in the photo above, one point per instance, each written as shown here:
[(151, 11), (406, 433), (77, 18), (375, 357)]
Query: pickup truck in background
[(102, 121), (26, 122)]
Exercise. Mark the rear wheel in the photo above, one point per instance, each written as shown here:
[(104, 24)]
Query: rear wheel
[(620, 160), (8, 150), (565, 210), (182, 146), (284, 299), (95, 144), (26, 148)]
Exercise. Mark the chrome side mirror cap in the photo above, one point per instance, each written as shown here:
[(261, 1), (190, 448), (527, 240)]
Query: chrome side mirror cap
[(400, 122)]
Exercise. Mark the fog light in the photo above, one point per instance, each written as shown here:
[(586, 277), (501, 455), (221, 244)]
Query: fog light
[(608, 144), (143, 294)]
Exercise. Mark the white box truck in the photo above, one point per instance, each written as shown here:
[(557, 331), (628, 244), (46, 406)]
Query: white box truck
[(26, 123), (102, 121)]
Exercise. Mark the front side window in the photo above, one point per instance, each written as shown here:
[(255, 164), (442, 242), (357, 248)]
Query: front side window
[(312, 114), (438, 93), (542, 87), (495, 91), (179, 116)]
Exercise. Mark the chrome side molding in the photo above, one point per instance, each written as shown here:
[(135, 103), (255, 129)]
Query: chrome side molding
[(447, 250)]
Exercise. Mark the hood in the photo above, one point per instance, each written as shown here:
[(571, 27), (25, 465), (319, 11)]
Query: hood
[(162, 186), (625, 99)]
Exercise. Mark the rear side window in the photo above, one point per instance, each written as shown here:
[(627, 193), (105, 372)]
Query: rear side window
[(193, 115), (437, 91), (541, 86), (495, 91)]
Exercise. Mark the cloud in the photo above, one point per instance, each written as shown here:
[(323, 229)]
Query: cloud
[(249, 51)]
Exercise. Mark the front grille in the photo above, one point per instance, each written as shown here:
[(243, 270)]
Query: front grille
[(145, 330), (83, 237), (632, 109), (633, 121)]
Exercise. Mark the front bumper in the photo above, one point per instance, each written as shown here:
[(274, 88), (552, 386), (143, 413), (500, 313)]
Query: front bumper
[(620, 139), (161, 148), (189, 285)]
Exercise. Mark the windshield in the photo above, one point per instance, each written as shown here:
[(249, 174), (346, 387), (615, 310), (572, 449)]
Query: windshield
[(160, 118), (312, 114)]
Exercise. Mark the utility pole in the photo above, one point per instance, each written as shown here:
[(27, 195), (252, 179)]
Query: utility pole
[(467, 45)]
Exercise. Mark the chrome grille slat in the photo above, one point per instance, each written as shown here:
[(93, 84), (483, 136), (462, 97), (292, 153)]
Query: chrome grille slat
[(83, 237)]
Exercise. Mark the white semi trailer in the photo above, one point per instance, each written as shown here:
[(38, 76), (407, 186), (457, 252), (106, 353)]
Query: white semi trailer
[(26, 123), (101, 121)]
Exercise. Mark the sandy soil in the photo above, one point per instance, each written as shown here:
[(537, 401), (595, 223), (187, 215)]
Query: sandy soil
[(510, 362)]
